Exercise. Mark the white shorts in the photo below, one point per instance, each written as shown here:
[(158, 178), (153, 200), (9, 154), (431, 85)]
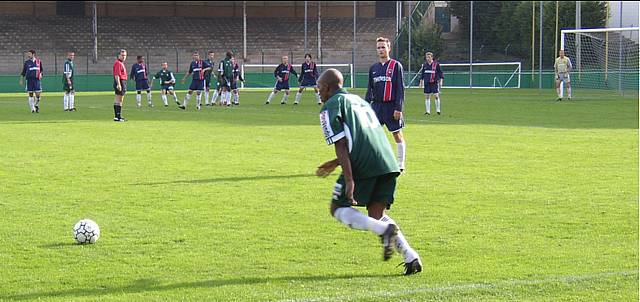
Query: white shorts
[(563, 77)]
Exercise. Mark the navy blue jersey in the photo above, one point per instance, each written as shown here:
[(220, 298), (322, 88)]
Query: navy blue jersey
[(237, 75), (431, 73), (283, 71), (32, 69), (386, 83), (308, 72), (139, 72), (207, 74), (197, 69)]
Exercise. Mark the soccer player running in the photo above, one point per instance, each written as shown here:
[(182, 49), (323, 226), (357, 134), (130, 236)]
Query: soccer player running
[(562, 68), (282, 80), (369, 169), (431, 79), (32, 71), (119, 85), (386, 95), (197, 68), (140, 74), (308, 78), (167, 80), (69, 98), (208, 79), (225, 78), (237, 76)]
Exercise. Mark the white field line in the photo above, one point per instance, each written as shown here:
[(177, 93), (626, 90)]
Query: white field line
[(468, 287)]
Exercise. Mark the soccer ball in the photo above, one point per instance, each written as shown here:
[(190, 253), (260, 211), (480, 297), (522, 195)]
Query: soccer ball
[(86, 231)]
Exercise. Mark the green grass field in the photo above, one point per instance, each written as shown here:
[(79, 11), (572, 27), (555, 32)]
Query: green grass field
[(508, 196)]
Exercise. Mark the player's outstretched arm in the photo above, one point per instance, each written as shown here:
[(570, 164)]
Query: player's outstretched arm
[(325, 169), (342, 152)]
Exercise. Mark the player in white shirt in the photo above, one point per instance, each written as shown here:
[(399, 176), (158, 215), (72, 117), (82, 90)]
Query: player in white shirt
[(562, 68)]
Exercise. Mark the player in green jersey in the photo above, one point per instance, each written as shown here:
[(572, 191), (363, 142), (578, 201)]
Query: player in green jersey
[(369, 167), (225, 78), (69, 99), (167, 80)]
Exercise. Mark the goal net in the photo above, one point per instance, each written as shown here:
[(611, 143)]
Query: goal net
[(604, 60), (261, 75), (484, 75)]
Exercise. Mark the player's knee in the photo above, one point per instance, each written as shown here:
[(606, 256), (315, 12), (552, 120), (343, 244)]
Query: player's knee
[(332, 209)]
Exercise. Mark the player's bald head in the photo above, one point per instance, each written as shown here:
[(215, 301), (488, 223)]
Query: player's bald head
[(332, 78)]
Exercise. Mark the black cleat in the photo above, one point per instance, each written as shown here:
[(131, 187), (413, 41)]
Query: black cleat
[(427, 113), (182, 107), (283, 103), (412, 267), (37, 109), (67, 110), (558, 99), (438, 112), (73, 109), (389, 239), (236, 104), (267, 103)]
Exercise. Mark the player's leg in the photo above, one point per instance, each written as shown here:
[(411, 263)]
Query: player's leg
[(437, 96), (185, 101), (214, 98), (31, 102), (119, 100), (72, 100), (236, 97), (163, 96), (206, 92), (317, 91), (402, 148), (272, 94), (427, 103), (138, 99), (149, 102), (558, 91), (298, 95), (65, 100), (568, 85), (229, 95), (37, 101), (175, 96), (198, 99), (285, 97)]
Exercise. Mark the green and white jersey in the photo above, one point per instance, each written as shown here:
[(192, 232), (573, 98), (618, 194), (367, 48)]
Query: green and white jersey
[(562, 65), (68, 70), (164, 76), (226, 69), (347, 116)]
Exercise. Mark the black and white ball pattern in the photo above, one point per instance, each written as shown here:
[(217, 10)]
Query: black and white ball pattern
[(86, 231)]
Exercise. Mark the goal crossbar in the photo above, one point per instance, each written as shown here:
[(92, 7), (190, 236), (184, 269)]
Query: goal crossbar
[(517, 71)]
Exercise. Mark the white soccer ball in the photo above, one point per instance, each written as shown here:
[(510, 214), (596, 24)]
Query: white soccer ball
[(86, 231)]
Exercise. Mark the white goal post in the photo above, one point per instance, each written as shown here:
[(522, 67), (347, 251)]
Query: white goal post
[(269, 81), (496, 75), (603, 59)]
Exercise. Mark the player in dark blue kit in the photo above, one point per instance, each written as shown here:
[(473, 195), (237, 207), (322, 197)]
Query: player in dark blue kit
[(237, 76), (431, 77), (197, 69), (282, 80), (386, 94), (32, 71), (308, 78), (140, 74)]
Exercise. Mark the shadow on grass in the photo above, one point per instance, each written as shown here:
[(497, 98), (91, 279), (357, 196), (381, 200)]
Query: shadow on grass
[(225, 179), (152, 285)]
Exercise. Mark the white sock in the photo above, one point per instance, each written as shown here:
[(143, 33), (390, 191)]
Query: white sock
[(236, 98), (270, 96), (175, 97), (206, 97), (427, 103), (402, 148), (558, 91), (284, 98), (199, 99), (37, 103), (138, 99), (72, 101), (186, 100), (228, 98), (437, 104), (318, 98), (298, 96), (31, 105), (149, 97), (164, 99), (358, 221), (66, 101), (402, 245), (214, 98), (569, 91)]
